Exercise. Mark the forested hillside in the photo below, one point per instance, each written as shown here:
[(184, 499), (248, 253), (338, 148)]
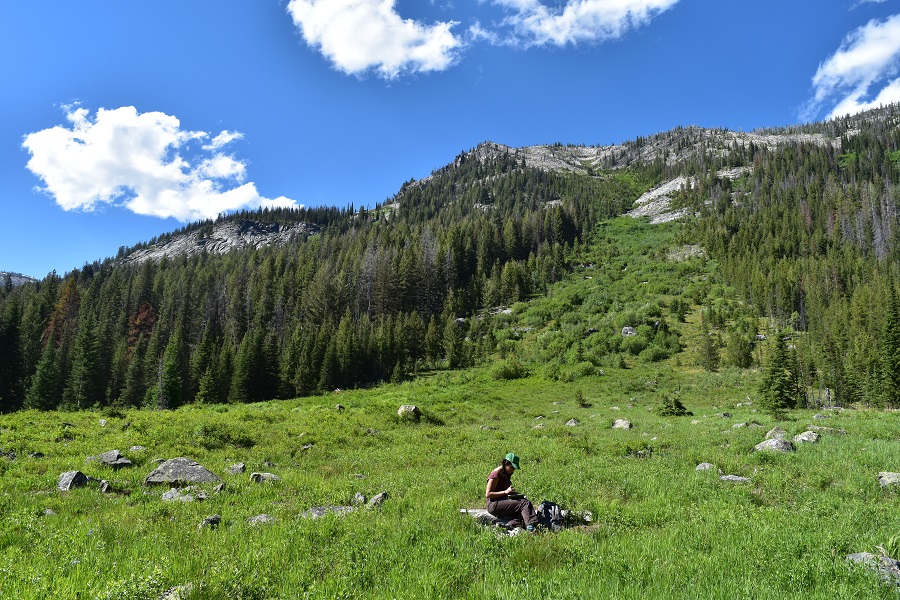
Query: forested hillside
[(804, 229)]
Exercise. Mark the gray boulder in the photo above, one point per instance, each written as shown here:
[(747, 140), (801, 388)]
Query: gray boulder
[(317, 512), (262, 519), (378, 499), (180, 472), (188, 494), (774, 445), (111, 458), (105, 487), (887, 479), (776, 434), (886, 567), (705, 466), (210, 522), (236, 468), (410, 412), (71, 480), (264, 478), (572, 422), (807, 437), (621, 424), (358, 499)]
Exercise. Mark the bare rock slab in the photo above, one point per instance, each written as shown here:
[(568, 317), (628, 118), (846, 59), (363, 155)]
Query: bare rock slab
[(734, 479), (317, 512), (776, 434), (886, 567), (180, 472), (111, 458)]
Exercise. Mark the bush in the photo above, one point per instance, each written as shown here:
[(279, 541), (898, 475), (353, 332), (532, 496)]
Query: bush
[(672, 407), (509, 369)]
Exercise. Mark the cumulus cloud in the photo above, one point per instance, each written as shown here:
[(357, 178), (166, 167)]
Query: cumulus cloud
[(862, 74), (535, 24), (142, 161), (362, 35)]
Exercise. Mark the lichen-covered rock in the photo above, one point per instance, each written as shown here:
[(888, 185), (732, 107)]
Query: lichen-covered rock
[(807, 437), (776, 434), (886, 567), (774, 445), (887, 479), (571, 422), (409, 411), (180, 472), (734, 479), (622, 424), (236, 468), (378, 499)]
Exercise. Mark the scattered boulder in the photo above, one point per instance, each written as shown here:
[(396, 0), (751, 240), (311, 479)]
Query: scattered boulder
[(179, 592), (621, 424), (180, 472), (183, 495), (734, 479), (264, 478), (339, 407), (378, 499), (112, 458), (410, 412), (628, 331), (210, 522), (571, 422), (36, 455), (774, 445), (886, 567), (776, 434), (819, 416), (705, 466), (807, 437), (236, 468), (725, 415), (320, 511), (887, 479), (137, 449), (358, 499), (262, 519), (218, 489), (105, 487), (48, 512), (71, 480), (538, 426)]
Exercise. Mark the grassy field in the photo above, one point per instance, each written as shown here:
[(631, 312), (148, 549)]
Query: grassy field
[(660, 528)]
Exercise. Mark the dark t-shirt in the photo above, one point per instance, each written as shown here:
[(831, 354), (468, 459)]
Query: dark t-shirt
[(503, 481)]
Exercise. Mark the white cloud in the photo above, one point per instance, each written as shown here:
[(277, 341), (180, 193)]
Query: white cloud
[(361, 35), (534, 24), (868, 58), (122, 157)]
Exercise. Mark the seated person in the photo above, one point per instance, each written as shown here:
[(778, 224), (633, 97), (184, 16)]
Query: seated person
[(498, 492)]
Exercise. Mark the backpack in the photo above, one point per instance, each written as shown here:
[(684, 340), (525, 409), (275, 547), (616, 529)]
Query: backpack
[(550, 515)]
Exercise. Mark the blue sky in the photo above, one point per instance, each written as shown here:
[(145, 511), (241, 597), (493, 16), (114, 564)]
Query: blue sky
[(124, 120)]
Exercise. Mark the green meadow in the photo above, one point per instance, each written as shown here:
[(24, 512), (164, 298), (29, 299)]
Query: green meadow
[(659, 528)]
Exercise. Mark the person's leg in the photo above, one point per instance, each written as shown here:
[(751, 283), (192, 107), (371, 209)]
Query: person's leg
[(505, 509), (528, 513)]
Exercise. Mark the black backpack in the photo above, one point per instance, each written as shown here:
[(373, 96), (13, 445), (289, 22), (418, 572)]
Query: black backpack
[(550, 515)]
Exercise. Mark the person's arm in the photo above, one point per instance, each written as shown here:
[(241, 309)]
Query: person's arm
[(491, 492)]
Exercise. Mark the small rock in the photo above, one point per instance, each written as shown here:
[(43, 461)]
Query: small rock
[(571, 422), (378, 499), (175, 494), (105, 487), (102, 422), (317, 512), (137, 449), (621, 424), (71, 480), (307, 446), (47, 512), (264, 478), (725, 415), (774, 445), (339, 407), (211, 522), (887, 479), (776, 434), (219, 488), (112, 458), (734, 479), (179, 592), (705, 466), (538, 426), (819, 416), (886, 567), (738, 425), (807, 437), (236, 468), (358, 499), (36, 455)]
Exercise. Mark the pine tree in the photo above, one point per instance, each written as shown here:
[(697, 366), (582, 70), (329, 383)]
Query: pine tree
[(779, 386), (709, 348), (890, 351), (44, 391), (84, 386), (171, 379)]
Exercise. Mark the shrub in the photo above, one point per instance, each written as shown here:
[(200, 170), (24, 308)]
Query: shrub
[(509, 369), (672, 407)]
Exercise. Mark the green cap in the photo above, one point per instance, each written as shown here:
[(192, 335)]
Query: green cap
[(514, 459)]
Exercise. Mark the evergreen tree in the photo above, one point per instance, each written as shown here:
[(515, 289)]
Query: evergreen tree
[(84, 387), (890, 350), (779, 385), (44, 391), (12, 364), (171, 380), (709, 347)]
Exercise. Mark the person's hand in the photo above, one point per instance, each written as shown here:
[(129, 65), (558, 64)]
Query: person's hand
[(510, 490)]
